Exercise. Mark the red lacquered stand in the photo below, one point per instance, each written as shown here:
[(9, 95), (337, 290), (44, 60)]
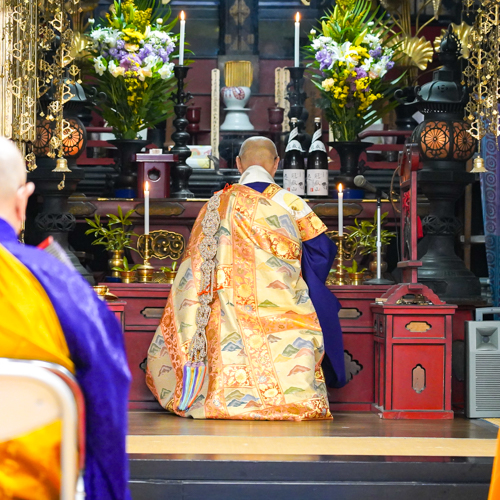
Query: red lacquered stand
[(413, 328)]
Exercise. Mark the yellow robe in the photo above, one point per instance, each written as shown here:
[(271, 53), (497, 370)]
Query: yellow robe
[(495, 475), (265, 344), (29, 329)]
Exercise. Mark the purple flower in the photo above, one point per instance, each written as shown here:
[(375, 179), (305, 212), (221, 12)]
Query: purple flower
[(145, 51), (163, 55), (389, 65), (361, 73), (130, 62), (324, 58), (114, 53), (376, 53), (170, 48), (120, 44)]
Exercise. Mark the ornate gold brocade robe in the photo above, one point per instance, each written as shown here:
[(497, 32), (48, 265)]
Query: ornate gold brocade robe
[(265, 343)]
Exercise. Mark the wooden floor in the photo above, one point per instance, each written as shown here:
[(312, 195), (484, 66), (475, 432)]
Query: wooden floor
[(349, 434)]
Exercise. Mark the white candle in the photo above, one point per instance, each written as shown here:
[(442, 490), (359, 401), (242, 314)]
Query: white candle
[(297, 39), (146, 207), (181, 38), (341, 210)]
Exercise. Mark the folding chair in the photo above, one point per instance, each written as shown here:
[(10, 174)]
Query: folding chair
[(34, 394)]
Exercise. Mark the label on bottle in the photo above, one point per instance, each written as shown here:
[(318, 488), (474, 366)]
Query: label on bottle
[(294, 180), (317, 143), (317, 182), (292, 142)]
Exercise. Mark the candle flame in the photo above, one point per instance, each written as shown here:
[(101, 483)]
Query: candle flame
[(182, 15), (297, 17), (146, 187), (339, 188)]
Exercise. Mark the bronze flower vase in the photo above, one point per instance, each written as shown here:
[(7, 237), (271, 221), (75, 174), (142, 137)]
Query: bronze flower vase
[(349, 153), (126, 149)]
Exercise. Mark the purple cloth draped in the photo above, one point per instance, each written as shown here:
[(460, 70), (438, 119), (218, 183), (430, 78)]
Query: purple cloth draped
[(96, 346), (317, 258)]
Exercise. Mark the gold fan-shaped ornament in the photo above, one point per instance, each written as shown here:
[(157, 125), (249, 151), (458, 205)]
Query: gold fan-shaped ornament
[(463, 33), (417, 52)]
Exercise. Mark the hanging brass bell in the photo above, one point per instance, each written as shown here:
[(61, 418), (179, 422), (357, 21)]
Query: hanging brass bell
[(478, 166), (61, 165)]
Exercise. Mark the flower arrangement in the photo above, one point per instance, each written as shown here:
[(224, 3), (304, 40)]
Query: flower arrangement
[(353, 55), (131, 53)]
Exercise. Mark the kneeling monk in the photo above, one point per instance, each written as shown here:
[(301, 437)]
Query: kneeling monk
[(240, 337)]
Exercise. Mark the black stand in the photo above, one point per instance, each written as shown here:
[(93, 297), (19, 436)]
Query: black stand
[(378, 280), (297, 97), (181, 172)]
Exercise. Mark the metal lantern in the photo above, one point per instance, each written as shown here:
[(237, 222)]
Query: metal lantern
[(445, 146)]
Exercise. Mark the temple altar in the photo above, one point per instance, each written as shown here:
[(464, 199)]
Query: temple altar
[(145, 302)]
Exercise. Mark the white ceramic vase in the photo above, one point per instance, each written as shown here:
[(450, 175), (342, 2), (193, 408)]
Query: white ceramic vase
[(235, 99)]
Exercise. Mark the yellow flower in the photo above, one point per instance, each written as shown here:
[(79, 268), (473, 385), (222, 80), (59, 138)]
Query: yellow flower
[(328, 84)]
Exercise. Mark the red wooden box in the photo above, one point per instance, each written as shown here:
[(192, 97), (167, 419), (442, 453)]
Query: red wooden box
[(156, 170), (413, 356)]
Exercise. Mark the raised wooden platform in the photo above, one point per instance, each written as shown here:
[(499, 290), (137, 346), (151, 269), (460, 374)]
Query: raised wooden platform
[(357, 455)]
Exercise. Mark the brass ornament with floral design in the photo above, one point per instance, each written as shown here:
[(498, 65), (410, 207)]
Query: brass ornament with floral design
[(417, 50)]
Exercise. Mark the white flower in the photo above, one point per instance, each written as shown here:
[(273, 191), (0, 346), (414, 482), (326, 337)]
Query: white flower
[(378, 70), (321, 41), (159, 21), (165, 71), (144, 73), (313, 32), (115, 70), (91, 21), (150, 61), (372, 40), (367, 64), (99, 65)]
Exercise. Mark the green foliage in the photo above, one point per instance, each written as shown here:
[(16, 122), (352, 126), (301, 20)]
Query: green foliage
[(364, 235), (116, 235), (126, 267), (167, 269), (354, 268)]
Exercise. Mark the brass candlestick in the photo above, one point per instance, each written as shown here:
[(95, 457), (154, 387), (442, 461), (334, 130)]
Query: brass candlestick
[(146, 270), (340, 274), (345, 252)]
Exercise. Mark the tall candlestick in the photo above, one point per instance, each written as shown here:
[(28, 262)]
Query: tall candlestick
[(146, 207), (181, 38), (297, 40), (341, 210)]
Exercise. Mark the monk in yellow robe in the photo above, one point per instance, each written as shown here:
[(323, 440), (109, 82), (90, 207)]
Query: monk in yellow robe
[(240, 337), (48, 312)]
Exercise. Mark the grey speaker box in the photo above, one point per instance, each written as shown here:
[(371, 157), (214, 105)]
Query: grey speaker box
[(482, 366)]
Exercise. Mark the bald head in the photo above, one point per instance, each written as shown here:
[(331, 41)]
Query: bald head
[(14, 192), (258, 151)]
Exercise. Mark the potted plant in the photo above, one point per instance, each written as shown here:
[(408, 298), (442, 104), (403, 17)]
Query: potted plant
[(170, 272), (356, 275), (127, 274), (364, 237), (115, 236)]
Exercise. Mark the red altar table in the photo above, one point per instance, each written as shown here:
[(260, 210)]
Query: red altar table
[(141, 307)]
